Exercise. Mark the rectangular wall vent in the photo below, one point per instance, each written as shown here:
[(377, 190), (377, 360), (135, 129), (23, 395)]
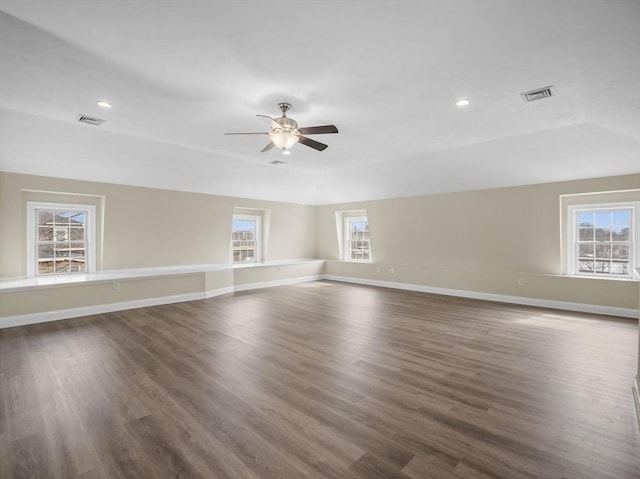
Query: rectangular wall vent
[(537, 94), (90, 120)]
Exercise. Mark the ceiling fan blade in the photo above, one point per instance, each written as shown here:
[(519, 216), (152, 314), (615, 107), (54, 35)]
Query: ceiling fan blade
[(268, 147), (274, 123), (318, 130), (262, 133), (316, 145)]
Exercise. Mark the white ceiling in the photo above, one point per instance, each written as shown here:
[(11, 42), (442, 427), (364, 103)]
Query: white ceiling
[(387, 73)]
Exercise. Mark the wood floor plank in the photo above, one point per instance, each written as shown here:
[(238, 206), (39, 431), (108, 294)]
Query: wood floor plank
[(321, 380)]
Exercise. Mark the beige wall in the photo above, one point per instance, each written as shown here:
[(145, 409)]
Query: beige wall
[(481, 241), (63, 297), (147, 227)]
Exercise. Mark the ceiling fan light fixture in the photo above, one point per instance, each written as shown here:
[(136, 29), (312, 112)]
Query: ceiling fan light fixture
[(285, 133), (283, 140)]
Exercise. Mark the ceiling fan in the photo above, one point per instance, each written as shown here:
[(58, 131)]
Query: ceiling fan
[(285, 132)]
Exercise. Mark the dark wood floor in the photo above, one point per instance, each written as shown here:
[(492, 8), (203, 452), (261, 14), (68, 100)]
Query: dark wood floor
[(321, 380)]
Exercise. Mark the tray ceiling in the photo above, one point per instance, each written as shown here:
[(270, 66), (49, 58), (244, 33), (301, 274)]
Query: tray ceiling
[(180, 74)]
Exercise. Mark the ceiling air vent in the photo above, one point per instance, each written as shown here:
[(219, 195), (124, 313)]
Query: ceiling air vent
[(90, 120), (537, 94)]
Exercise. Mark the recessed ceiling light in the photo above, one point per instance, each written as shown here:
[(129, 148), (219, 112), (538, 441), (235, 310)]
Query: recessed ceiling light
[(463, 102), (104, 104)]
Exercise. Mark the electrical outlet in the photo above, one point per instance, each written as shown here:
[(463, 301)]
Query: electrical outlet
[(391, 270), (116, 286), (520, 281)]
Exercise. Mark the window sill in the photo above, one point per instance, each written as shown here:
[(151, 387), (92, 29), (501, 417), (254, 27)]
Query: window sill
[(606, 278), (267, 264)]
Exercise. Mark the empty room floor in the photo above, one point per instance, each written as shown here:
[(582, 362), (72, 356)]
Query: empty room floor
[(321, 380)]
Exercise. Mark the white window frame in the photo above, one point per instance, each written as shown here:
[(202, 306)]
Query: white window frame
[(572, 227), (90, 235), (257, 237), (346, 253)]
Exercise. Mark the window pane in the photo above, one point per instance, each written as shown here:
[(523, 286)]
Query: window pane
[(603, 234), (603, 267), (585, 219), (585, 266), (45, 217), (45, 267), (603, 251), (77, 266), (77, 218), (45, 233), (62, 218), (620, 267), (585, 250), (61, 234), (76, 249), (620, 226), (603, 219), (620, 251), (62, 250), (620, 233), (62, 266), (585, 234), (45, 251), (76, 234)]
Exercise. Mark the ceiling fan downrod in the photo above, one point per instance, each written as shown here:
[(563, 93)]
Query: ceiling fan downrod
[(284, 107)]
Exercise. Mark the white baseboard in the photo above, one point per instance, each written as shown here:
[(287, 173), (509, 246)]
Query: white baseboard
[(542, 303), (212, 293), (34, 318), (278, 282), (636, 398)]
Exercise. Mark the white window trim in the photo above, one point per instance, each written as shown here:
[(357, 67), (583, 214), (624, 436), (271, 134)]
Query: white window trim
[(634, 260), (258, 237), (90, 234), (345, 241)]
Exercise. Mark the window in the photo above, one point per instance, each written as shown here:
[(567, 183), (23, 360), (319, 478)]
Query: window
[(604, 240), (60, 238), (357, 245), (245, 239)]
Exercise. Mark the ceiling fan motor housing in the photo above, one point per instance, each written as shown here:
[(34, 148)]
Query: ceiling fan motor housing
[(287, 124)]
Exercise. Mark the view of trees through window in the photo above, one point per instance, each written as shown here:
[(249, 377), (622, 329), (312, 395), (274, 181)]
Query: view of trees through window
[(244, 239), (358, 242), (60, 241), (604, 242)]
